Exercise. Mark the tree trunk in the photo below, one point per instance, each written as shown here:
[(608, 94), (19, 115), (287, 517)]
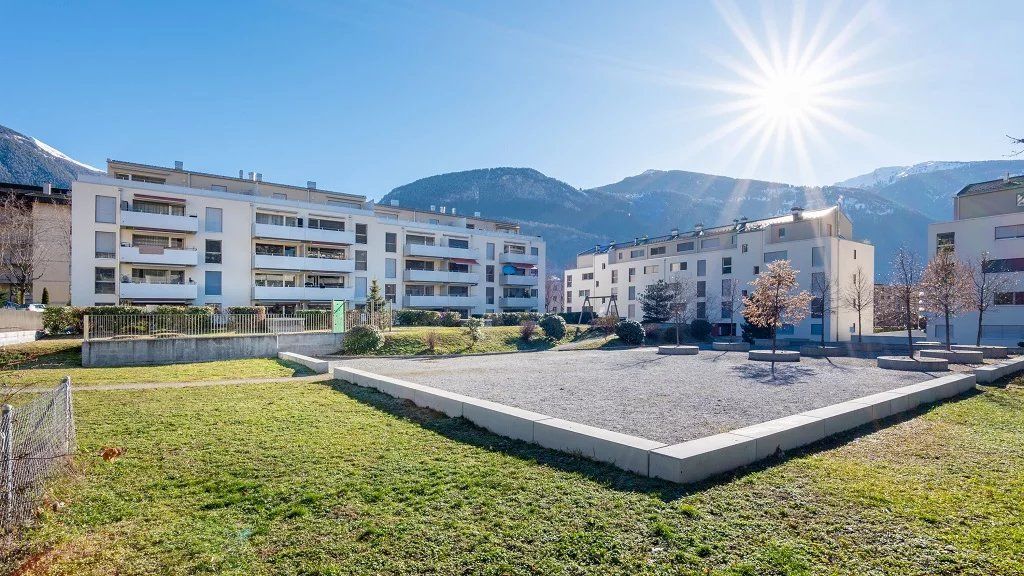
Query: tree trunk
[(948, 343), (910, 329), (860, 328), (981, 314)]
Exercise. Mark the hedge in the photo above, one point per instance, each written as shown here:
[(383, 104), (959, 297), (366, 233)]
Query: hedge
[(409, 317), (553, 326), (630, 332)]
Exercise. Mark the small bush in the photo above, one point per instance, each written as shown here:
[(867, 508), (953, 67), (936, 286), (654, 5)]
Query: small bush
[(527, 330), (652, 332), (431, 340), (408, 317), (61, 319), (450, 318), (700, 329), (259, 310), (669, 335), (553, 326), (363, 340), (474, 330), (574, 317), (516, 318), (606, 324), (630, 332)]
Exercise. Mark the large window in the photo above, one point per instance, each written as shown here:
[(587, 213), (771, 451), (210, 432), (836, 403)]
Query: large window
[(773, 256), (106, 209), (458, 243), (1013, 231), (360, 287), (657, 250), (1005, 265), (702, 267), (632, 292), (105, 245), (105, 280), (361, 233), (490, 295), (702, 289), (636, 253), (684, 247), (213, 283), (360, 259), (322, 224), (490, 250), (390, 293), (490, 274), (158, 208), (651, 269), (276, 219), (390, 268), (615, 276), (390, 242), (710, 243), (727, 265), (213, 253), (817, 256), (214, 220), (945, 241)]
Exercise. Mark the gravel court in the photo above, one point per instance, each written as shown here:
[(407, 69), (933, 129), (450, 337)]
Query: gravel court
[(665, 398)]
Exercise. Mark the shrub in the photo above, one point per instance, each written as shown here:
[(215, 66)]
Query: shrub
[(700, 329), (408, 317), (574, 317), (652, 332), (200, 310), (606, 324), (61, 319), (527, 329), (630, 332), (450, 318), (260, 310), (474, 330), (46, 296), (431, 340), (553, 326), (363, 340), (516, 318), (669, 335)]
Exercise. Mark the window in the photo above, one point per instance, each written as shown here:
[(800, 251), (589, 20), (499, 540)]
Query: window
[(727, 265), (1010, 298), (817, 256), (214, 220), (458, 243), (945, 241), (104, 281), (588, 276), (816, 329), (568, 296), (212, 286), (490, 274), (710, 243), (743, 248), (702, 288), (727, 285), (757, 270), (652, 269), (817, 308), (854, 254), (657, 251), (818, 281), (701, 310), (677, 266), (636, 253), (615, 291), (828, 229), (276, 219), (361, 287), (684, 247), (1014, 231), (632, 311), (786, 329), (361, 259), (702, 267), (615, 276), (490, 250), (213, 252), (534, 251), (726, 310), (279, 196), (603, 265), (390, 268), (773, 256), (782, 232), (218, 188), (632, 272), (568, 280), (1005, 265), (390, 293), (390, 242), (632, 292), (106, 210), (361, 234), (490, 295), (105, 245)]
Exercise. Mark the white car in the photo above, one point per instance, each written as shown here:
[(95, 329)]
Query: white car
[(36, 307)]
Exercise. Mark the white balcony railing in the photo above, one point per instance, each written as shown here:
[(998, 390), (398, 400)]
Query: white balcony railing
[(145, 291), (441, 277), (442, 301), (150, 221), (303, 234), (295, 293), (518, 302), (428, 251), (518, 280), (266, 261), (158, 255), (511, 258)]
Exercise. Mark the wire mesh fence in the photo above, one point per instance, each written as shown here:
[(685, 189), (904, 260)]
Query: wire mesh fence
[(383, 318), (131, 326), (37, 440)]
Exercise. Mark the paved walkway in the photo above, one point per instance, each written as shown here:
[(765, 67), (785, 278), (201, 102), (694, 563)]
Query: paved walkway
[(157, 385)]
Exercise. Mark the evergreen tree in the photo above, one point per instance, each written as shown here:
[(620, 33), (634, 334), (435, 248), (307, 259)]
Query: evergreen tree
[(375, 300), (656, 302), (46, 296)]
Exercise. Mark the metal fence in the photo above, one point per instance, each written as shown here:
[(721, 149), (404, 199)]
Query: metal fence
[(20, 320), (36, 441), (132, 326)]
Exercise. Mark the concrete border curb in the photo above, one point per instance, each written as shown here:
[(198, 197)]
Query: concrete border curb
[(672, 350), (954, 356), (318, 366), (908, 364), (994, 352), (989, 374), (730, 346), (685, 462), (777, 356)]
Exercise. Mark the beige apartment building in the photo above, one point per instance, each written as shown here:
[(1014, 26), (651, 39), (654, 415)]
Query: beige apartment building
[(148, 234), (51, 236), (722, 261)]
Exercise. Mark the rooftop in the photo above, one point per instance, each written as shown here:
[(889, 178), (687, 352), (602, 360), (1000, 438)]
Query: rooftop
[(992, 186), (35, 193)]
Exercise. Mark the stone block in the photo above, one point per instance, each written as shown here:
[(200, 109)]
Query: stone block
[(702, 458), (624, 451), (783, 434)]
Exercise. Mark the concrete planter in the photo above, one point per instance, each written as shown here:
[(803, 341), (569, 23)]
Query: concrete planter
[(777, 356), (928, 344), (730, 346), (955, 356), (678, 350), (821, 351), (907, 364), (986, 351)]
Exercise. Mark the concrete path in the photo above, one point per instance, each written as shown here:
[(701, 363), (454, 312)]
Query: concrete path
[(157, 385)]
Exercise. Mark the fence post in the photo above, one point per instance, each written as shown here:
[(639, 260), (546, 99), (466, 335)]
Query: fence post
[(85, 327), (7, 461), (69, 418)]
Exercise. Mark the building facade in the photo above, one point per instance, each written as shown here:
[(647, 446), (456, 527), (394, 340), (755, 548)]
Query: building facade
[(50, 266), (153, 235), (988, 217), (722, 261)]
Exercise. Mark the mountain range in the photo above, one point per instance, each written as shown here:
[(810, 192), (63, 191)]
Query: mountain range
[(890, 206)]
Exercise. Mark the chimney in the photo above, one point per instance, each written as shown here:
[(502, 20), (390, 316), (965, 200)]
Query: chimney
[(444, 209), (798, 212), (48, 189), (433, 208), (675, 232), (476, 214), (311, 184), (1006, 179), (241, 175), (178, 165), (394, 202), (252, 176), (259, 177), (698, 228), (453, 210), (636, 240)]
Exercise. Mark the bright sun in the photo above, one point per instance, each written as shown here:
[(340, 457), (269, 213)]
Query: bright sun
[(786, 97)]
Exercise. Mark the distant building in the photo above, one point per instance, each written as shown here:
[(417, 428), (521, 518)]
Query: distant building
[(723, 260), (987, 217), (51, 233)]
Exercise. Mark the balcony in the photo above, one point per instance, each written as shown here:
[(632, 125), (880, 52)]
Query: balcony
[(268, 262), (510, 258), (150, 221), (145, 291), (518, 302), (296, 293), (303, 234), (442, 301), (441, 277), (159, 255), (427, 251), (518, 280)]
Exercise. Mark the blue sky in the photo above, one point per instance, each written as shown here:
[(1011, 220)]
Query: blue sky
[(363, 97)]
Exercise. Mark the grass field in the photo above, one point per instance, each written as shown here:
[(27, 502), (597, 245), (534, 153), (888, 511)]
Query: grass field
[(315, 478), (45, 362), (411, 341)]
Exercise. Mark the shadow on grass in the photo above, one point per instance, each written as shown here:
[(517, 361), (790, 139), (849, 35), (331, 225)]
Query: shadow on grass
[(46, 353), (297, 369)]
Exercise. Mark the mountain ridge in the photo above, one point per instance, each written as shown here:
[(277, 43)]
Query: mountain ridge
[(27, 160)]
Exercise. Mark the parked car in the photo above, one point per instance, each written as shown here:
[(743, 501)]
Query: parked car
[(9, 305), (36, 307)]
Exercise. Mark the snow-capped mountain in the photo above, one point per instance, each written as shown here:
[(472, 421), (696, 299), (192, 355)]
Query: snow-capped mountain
[(26, 160)]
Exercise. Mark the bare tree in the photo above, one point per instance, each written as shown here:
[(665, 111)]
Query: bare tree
[(681, 306), (775, 301), (822, 299), (25, 251), (1016, 142), (987, 284), (947, 287), (906, 289), (731, 300), (856, 296)]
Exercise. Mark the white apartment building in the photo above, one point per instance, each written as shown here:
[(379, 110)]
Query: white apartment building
[(987, 217), (722, 261), (154, 235)]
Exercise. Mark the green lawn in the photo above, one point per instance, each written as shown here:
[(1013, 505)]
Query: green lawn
[(316, 478), (45, 362), (410, 341)]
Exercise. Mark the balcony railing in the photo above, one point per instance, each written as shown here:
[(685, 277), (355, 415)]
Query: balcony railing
[(518, 280), (303, 234), (159, 255), (150, 221), (512, 258), (155, 291), (442, 277), (429, 251), (307, 293), (273, 262), (530, 302), (411, 301)]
